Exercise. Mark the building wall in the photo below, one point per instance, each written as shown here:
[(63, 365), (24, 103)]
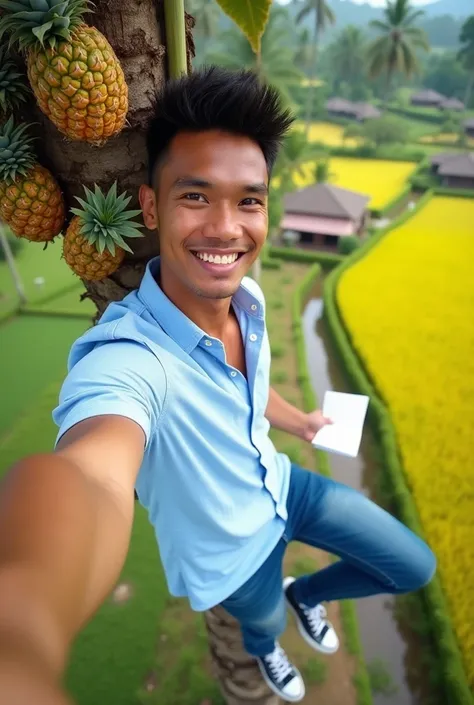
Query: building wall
[(458, 182)]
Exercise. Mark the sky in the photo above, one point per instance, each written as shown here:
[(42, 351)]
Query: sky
[(382, 3)]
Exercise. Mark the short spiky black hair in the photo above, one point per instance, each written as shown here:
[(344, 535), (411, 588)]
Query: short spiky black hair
[(214, 98)]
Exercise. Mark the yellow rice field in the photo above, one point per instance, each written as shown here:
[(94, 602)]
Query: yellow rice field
[(444, 137), (379, 179), (409, 306), (327, 133)]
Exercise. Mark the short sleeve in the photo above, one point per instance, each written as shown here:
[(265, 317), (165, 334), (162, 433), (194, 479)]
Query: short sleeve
[(123, 378)]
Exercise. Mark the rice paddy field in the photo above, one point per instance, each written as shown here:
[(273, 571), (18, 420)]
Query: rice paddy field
[(328, 133), (408, 305), (452, 138), (381, 180)]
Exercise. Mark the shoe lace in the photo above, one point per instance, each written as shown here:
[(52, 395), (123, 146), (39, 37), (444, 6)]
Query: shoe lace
[(316, 617), (278, 663)]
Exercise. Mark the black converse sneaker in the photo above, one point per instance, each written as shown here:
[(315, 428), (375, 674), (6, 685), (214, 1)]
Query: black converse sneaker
[(312, 623), (281, 676)]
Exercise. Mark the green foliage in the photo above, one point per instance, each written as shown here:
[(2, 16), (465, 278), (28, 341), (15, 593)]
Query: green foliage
[(353, 131), (315, 671), (290, 254), (346, 56), (348, 244), (275, 63), (275, 210), (206, 14), (446, 74), (279, 377), (450, 663), (16, 152), (250, 17), (294, 452), (381, 682), (278, 304), (424, 181), (277, 350), (16, 244), (106, 220), (400, 39), (384, 130), (45, 23), (322, 171), (304, 565), (13, 88)]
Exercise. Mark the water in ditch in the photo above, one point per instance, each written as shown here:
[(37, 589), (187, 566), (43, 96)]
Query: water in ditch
[(385, 640)]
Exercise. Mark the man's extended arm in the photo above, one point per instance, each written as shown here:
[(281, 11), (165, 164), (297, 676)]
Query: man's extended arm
[(286, 417), (65, 524)]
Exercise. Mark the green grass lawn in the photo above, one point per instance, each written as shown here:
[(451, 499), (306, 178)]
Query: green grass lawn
[(32, 262), (68, 303), (34, 353)]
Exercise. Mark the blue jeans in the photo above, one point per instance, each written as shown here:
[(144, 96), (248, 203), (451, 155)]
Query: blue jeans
[(378, 555)]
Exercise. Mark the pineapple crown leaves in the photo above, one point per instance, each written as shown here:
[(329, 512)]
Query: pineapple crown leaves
[(16, 152), (13, 89), (41, 22), (105, 220)]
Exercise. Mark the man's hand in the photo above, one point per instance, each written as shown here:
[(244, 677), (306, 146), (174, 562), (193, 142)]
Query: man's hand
[(314, 423)]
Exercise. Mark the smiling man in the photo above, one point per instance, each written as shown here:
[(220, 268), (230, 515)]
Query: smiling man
[(169, 395)]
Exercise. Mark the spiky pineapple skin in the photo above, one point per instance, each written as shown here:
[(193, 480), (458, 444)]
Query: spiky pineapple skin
[(84, 259), (33, 205), (80, 86)]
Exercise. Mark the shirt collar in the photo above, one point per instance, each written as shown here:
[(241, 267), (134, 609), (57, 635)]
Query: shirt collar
[(173, 321)]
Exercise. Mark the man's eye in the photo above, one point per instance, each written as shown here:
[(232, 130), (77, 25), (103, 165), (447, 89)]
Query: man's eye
[(251, 202), (193, 196)]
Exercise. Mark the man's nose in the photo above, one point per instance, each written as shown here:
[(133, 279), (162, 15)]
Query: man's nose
[(224, 223)]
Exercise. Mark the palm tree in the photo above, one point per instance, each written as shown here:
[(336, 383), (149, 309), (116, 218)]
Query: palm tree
[(276, 62), (295, 153), (322, 16), (124, 159), (347, 55), (466, 55), (396, 48)]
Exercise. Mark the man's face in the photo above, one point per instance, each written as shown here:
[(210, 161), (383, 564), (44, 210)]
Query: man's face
[(210, 208)]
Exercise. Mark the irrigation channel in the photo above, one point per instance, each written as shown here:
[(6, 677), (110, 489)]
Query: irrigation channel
[(385, 640)]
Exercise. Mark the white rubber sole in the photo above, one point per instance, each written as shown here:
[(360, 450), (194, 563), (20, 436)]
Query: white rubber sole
[(273, 687), (314, 644)]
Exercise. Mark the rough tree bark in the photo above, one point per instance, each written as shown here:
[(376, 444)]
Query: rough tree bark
[(136, 30)]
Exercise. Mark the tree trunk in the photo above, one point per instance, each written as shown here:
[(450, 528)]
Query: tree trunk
[(312, 76), (239, 679), (136, 30)]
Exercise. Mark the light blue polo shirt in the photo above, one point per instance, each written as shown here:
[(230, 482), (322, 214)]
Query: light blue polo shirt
[(213, 484)]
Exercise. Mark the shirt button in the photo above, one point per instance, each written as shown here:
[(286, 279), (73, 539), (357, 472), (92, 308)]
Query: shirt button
[(208, 343), (233, 373), (253, 338), (254, 307)]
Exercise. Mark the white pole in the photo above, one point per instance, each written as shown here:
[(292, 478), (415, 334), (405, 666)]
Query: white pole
[(12, 266)]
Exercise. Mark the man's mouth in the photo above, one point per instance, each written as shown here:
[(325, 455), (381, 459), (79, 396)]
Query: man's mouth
[(214, 258)]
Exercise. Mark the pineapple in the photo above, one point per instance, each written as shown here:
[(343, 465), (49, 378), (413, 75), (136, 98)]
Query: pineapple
[(12, 88), (73, 71), (94, 245), (30, 198)]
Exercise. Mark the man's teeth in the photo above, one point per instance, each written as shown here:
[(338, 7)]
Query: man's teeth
[(217, 259)]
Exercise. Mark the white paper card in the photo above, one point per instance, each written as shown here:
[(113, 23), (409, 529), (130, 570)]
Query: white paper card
[(348, 412)]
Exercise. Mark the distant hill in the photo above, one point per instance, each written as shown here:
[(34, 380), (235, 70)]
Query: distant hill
[(457, 8), (442, 20)]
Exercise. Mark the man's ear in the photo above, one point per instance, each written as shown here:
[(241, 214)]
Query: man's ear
[(147, 199)]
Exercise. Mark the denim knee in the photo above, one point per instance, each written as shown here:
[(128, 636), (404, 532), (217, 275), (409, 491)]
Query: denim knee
[(421, 572), (271, 625)]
